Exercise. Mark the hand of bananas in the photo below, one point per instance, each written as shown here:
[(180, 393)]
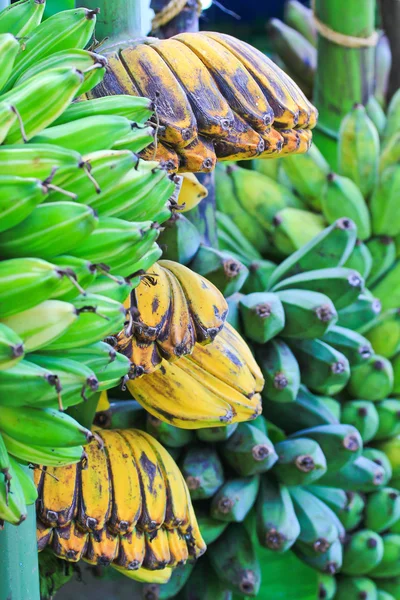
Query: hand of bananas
[(215, 97)]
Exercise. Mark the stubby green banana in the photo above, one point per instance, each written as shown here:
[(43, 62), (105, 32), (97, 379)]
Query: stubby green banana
[(353, 345), (262, 316), (371, 380), (280, 370), (307, 314), (343, 198), (362, 552), (300, 461), (248, 450), (382, 509), (234, 500), (363, 415)]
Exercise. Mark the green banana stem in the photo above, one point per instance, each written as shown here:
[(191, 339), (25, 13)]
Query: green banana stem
[(344, 75), (118, 20)]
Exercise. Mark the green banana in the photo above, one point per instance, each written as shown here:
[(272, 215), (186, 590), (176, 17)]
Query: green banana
[(233, 317), (376, 113), (383, 252), (248, 450), (332, 405), (179, 576), (358, 149), (235, 561), (44, 427), (67, 225), (393, 112), (308, 314), (234, 500), (204, 584), (382, 595), (384, 333), (362, 552), (389, 450), (138, 139), (389, 566), (224, 271), (215, 434), (239, 242), (384, 207), (348, 506), (41, 455), (134, 108), (330, 248), (341, 444), (382, 509), (359, 314), (388, 411), (294, 49), (379, 458), (388, 288), (326, 583), (324, 370), (353, 345), (168, 434), (259, 274), (328, 562), (21, 18), (342, 198), (300, 18), (43, 385), (307, 174), (293, 228), (26, 482), (12, 348), (115, 288), (341, 285), (355, 587), (203, 472), (383, 64), (307, 410), (390, 154), (210, 528), (371, 380), (9, 48), (396, 374), (280, 370), (38, 160), (83, 274), (363, 415), (262, 316), (360, 259), (179, 239), (12, 500), (300, 462), (363, 474), (277, 524)]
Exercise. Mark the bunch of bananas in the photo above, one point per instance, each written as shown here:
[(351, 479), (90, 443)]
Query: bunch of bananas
[(216, 98), (126, 504)]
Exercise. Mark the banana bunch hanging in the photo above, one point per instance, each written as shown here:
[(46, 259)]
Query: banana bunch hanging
[(216, 98)]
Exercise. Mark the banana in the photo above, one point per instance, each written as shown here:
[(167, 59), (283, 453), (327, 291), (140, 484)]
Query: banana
[(360, 260), (328, 562), (58, 504), (134, 108), (300, 18), (358, 149), (179, 239), (308, 314), (205, 584), (354, 346), (191, 193), (64, 30), (210, 528), (234, 559), (293, 228), (396, 364), (363, 415), (383, 252), (232, 234), (387, 289), (371, 380), (213, 434), (234, 500), (221, 269), (280, 370), (202, 471), (156, 81), (389, 565), (376, 114), (382, 595), (248, 450), (389, 418), (21, 18), (392, 124), (12, 501), (363, 473), (144, 358), (24, 479), (307, 174), (116, 80), (131, 552), (330, 248), (306, 410), (166, 156), (383, 62), (390, 153), (361, 313), (12, 348), (300, 462), (82, 272), (102, 549), (353, 587), (382, 509), (347, 506), (135, 141), (198, 156), (38, 160), (67, 224), (157, 555), (44, 455), (115, 288), (9, 48), (5, 465), (342, 198), (384, 210), (69, 542), (326, 583), (262, 315), (384, 333), (379, 457)]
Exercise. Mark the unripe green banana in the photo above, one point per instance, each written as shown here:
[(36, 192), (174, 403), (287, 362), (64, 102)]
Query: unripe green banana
[(203, 472), (38, 160), (328, 562), (179, 576), (234, 500), (210, 528), (300, 462), (28, 384), (9, 48), (248, 450), (324, 370), (224, 271), (356, 587), (293, 228), (389, 418), (382, 595), (326, 586), (330, 248), (21, 18), (390, 448), (360, 259), (358, 315), (238, 241), (378, 456), (341, 444), (262, 316), (362, 552), (342, 198), (388, 288), (115, 288), (354, 346), (389, 566), (43, 455), (332, 405), (12, 500), (348, 506), (280, 370), (306, 411), (391, 586), (307, 173), (383, 252), (83, 274), (362, 415), (363, 474), (233, 311), (341, 285), (358, 149), (26, 482), (294, 49), (168, 434), (384, 333), (134, 108), (215, 434), (382, 509), (277, 524), (390, 155), (179, 239), (234, 559), (384, 207), (393, 113), (260, 272), (300, 18), (307, 314), (11, 347), (371, 380), (376, 114), (137, 140)]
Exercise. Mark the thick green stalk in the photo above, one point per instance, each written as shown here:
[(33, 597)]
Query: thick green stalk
[(345, 75), (119, 20)]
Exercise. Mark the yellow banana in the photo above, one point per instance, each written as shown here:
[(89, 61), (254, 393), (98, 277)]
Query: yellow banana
[(145, 358), (207, 305), (192, 192), (242, 143), (95, 494), (44, 535), (126, 496), (146, 576), (178, 549), (196, 544), (233, 79), (69, 542), (132, 549), (59, 495), (102, 548), (115, 81), (273, 142), (156, 81), (157, 554), (197, 157), (166, 156), (154, 496), (232, 338)]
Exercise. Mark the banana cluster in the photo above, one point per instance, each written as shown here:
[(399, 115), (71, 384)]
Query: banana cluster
[(216, 98), (126, 504)]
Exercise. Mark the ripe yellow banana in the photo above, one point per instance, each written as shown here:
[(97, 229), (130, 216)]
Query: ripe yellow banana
[(145, 575), (59, 495), (178, 549), (115, 81), (198, 156), (95, 494), (132, 548), (102, 548), (242, 143), (273, 142), (191, 193), (44, 535), (166, 156), (157, 555), (69, 542)]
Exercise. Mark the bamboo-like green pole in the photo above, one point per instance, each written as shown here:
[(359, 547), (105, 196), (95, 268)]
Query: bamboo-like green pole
[(19, 571), (345, 75), (118, 20)]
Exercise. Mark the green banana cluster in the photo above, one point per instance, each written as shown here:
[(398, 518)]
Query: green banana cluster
[(80, 215)]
